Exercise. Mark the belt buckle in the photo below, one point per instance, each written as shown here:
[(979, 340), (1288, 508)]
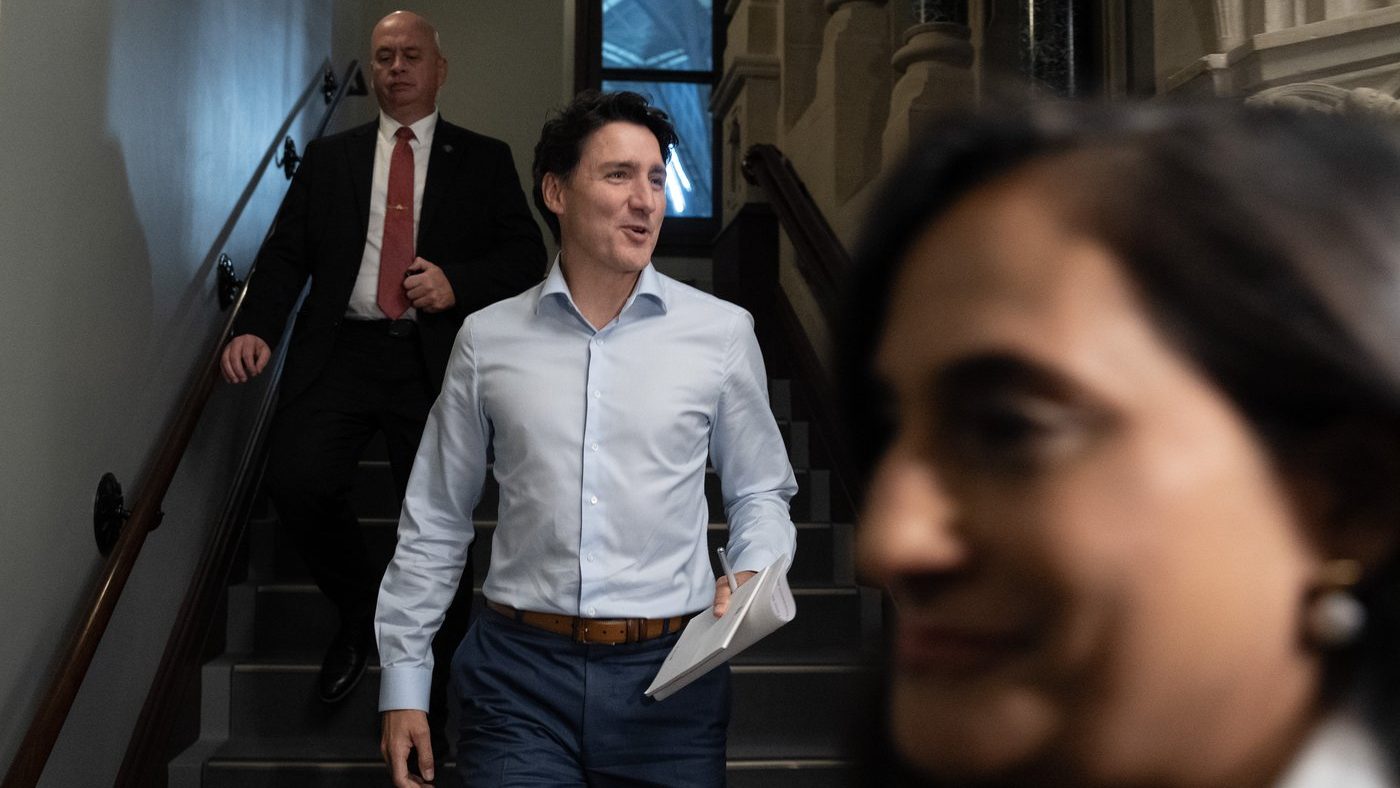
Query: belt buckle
[(580, 630), (401, 328)]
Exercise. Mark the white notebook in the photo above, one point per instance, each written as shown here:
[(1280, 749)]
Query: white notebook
[(758, 608)]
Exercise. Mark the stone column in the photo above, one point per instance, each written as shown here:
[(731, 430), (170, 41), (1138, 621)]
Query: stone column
[(1229, 24), (1283, 14), (1331, 9), (935, 68), (852, 97), (747, 98)]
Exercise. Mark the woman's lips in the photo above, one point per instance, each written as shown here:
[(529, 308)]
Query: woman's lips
[(935, 648)]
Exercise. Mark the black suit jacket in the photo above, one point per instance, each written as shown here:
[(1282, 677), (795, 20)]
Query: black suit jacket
[(474, 223)]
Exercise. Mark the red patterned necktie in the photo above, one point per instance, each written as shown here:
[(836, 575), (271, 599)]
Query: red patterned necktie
[(396, 251)]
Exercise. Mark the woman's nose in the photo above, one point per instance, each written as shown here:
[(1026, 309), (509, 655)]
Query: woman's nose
[(906, 526)]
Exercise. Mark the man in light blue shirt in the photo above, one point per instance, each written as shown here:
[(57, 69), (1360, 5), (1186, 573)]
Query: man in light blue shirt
[(603, 391)]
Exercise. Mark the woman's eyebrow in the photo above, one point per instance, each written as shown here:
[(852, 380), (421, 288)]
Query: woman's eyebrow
[(993, 370)]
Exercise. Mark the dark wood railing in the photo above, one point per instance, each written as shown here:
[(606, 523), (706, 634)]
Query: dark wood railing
[(823, 263), (821, 258), (192, 625)]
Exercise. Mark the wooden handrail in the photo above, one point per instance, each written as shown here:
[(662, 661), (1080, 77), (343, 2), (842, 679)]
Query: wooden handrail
[(146, 750), (821, 258), (73, 663), (823, 262)]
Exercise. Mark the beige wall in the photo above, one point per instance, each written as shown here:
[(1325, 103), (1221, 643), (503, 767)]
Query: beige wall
[(1183, 32), (132, 133), (509, 62)]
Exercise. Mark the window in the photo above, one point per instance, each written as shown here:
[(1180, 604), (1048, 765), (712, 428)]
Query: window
[(666, 50)]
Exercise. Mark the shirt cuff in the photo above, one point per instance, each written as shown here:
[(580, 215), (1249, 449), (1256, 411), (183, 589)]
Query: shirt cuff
[(404, 688), (756, 559)]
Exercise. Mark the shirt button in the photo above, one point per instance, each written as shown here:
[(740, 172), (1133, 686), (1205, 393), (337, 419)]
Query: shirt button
[(592, 611), (597, 394), (594, 499), (594, 447), (590, 558)]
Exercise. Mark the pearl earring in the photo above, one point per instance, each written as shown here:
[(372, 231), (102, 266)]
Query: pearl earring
[(1332, 616)]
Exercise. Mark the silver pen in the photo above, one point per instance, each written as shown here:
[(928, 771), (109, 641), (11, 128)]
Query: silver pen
[(728, 570)]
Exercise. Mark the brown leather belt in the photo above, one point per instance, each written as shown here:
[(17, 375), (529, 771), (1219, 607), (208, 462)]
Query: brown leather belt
[(606, 631)]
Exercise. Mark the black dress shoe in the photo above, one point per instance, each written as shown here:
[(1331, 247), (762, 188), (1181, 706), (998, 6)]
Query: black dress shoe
[(344, 664)]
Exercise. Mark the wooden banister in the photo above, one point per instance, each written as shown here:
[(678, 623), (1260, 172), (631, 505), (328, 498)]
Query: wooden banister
[(821, 257), (823, 263), (72, 665)]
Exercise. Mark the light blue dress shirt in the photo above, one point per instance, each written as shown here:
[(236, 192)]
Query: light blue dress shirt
[(601, 439)]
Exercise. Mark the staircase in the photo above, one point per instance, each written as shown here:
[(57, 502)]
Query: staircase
[(794, 693)]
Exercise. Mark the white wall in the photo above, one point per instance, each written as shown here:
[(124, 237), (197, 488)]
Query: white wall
[(131, 133)]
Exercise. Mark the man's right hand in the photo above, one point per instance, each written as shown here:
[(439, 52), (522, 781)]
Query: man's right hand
[(244, 357), (404, 730)]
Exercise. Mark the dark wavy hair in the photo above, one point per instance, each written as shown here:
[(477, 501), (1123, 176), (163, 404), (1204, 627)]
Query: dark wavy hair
[(1266, 246), (562, 138)]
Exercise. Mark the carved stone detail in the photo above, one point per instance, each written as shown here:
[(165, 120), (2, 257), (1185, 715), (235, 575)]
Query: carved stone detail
[(1321, 97), (935, 76)]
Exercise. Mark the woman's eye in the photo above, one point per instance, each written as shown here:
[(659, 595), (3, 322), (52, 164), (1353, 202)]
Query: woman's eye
[(1016, 434)]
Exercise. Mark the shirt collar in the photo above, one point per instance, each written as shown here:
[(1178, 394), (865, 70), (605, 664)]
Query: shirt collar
[(650, 290), (1341, 751), (651, 287), (423, 129)]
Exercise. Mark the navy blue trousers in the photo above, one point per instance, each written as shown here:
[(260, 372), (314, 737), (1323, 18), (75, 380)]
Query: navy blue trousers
[(539, 709)]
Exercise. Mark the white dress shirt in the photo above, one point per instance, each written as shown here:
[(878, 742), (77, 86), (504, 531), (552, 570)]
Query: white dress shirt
[(1341, 753), (601, 439), (364, 299)]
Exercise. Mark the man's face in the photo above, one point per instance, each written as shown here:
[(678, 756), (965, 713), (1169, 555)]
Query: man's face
[(611, 206), (406, 66)]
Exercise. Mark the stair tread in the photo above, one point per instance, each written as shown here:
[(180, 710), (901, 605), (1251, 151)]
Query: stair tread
[(830, 628), (308, 761), (310, 662), (300, 587), (785, 731), (486, 523), (361, 750), (778, 713), (822, 549)]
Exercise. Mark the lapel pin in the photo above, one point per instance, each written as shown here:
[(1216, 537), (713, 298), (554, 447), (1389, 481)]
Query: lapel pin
[(446, 148)]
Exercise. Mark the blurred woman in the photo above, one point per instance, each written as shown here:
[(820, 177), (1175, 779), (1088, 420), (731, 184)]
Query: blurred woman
[(1129, 380)]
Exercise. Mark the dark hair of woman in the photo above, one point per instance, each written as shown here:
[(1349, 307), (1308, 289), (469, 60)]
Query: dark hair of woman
[(1265, 247)]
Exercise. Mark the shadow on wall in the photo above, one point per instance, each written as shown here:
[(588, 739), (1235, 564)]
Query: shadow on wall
[(75, 309), (197, 294), (133, 138)]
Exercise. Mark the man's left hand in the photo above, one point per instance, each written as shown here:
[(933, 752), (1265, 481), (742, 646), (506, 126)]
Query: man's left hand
[(722, 590), (427, 287)]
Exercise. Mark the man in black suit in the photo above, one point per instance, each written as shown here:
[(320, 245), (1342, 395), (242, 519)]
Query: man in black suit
[(390, 285)]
